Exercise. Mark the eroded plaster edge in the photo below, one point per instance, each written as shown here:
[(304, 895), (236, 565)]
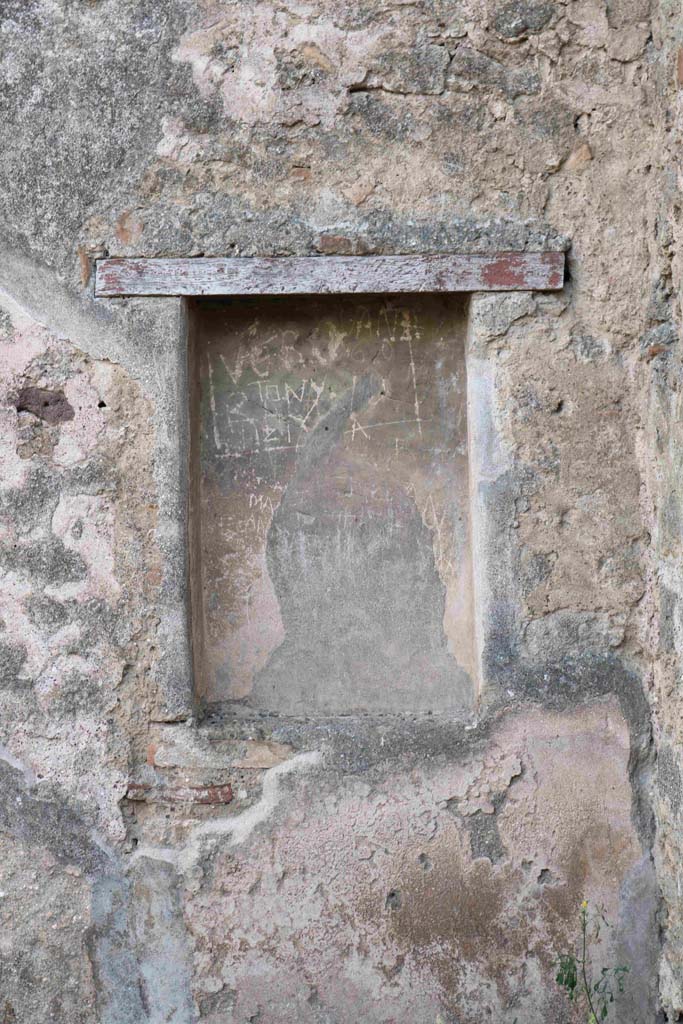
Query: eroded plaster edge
[(148, 338), (495, 598)]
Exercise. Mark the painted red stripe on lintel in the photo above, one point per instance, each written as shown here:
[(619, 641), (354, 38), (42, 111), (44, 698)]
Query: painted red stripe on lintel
[(301, 275)]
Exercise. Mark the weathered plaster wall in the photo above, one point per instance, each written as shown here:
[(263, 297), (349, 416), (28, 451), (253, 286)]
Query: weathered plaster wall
[(253, 867), (661, 455)]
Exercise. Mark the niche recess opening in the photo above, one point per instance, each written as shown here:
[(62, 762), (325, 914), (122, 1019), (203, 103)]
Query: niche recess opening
[(330, 504), (330, 536)]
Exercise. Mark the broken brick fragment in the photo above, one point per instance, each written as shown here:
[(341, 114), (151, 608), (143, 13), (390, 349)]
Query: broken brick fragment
[(210, 794)]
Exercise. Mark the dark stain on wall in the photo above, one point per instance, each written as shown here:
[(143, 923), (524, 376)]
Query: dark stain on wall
[(51, 406)]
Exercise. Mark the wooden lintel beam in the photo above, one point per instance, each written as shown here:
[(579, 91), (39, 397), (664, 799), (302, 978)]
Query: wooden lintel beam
[(333, 275)]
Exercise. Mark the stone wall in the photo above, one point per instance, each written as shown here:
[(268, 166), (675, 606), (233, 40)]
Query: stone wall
[(172, 858)]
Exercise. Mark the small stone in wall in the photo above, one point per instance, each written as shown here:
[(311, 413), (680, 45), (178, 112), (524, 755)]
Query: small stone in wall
[(517, 20), (8, 1014), (579, 158)]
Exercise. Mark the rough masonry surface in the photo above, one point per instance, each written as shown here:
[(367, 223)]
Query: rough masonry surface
[(172, 855)]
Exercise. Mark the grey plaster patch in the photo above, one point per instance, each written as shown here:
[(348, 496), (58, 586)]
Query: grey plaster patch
[(470, 69), (12, 658), (47, 560), (47, 612), (639, 944), (669, 624), (217, 1005), (32, 503), (120, 996), (47, 823), (670, 777), (161, 939), (420, 71), (587, 348), (518, 19), (493, 315), (568, 632), (484, 835), (671, 516), (658, 340)]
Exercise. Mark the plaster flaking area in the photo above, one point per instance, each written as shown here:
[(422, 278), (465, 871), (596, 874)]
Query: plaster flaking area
[(331, 504), (379, 900)]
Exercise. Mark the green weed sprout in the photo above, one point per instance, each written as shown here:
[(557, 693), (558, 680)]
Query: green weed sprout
[(576, 974)]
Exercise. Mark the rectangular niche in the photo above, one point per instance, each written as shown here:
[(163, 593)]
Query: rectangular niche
[(330, 535)]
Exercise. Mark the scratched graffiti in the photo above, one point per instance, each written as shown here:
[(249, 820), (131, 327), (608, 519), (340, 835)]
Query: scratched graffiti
[(263, 415), (334, 490)]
